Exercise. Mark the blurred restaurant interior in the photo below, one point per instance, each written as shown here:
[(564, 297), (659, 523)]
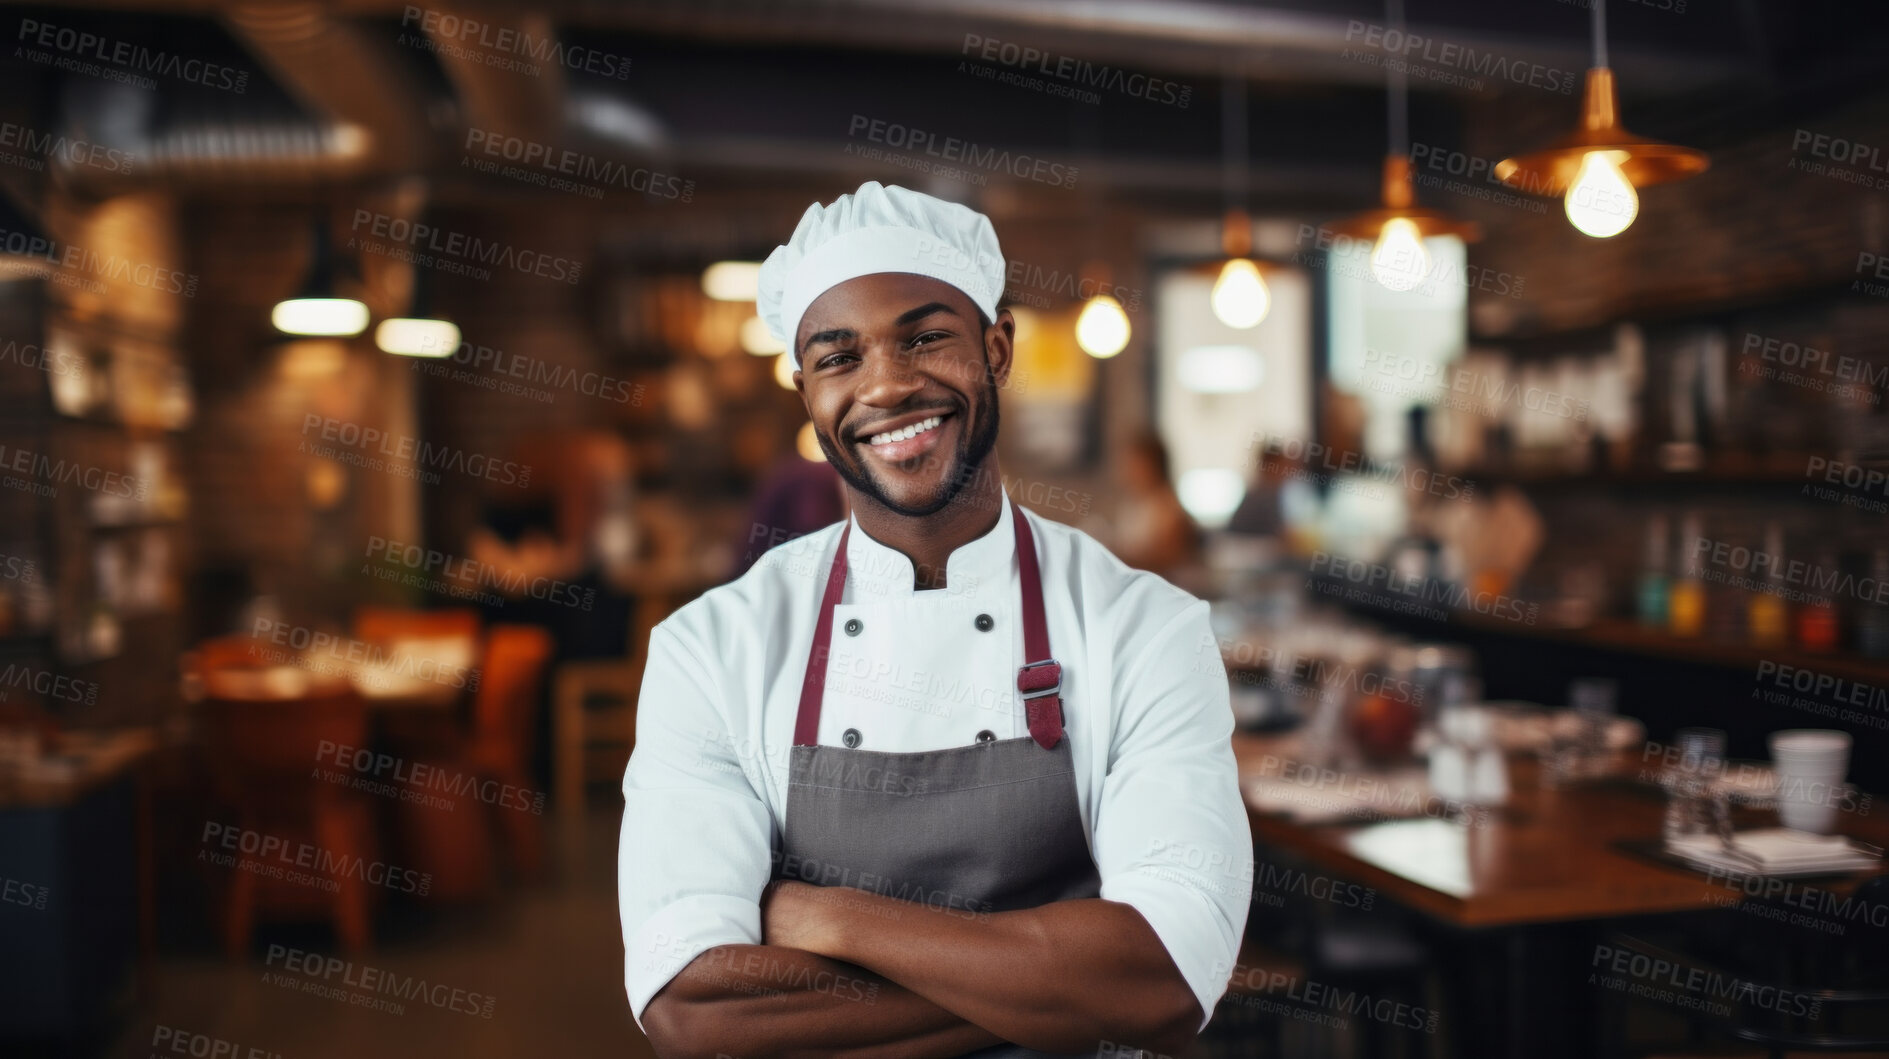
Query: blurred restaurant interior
[(377, 374)]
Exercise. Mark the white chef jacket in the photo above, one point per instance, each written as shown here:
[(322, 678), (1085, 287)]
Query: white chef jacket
[(1145, 705)]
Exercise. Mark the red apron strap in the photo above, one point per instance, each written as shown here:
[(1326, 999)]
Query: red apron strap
[(813, 687), (1040, 679)]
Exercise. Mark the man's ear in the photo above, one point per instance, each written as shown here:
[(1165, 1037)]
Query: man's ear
[(1000, 341)]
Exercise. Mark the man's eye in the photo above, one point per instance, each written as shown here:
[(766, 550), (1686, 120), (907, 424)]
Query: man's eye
[(832, 359), (930, 336)]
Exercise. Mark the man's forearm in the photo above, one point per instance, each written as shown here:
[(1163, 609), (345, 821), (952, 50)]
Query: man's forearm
[(761, 1001), (1062, 977)]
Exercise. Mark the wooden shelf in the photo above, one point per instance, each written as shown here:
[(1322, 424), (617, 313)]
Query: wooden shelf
[(1628, 637)]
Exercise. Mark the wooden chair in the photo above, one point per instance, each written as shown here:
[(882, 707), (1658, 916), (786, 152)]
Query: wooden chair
[(487, 784), (264, 755), (391, 624)]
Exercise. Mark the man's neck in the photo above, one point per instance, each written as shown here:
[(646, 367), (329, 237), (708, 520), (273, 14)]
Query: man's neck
[(929, 540)]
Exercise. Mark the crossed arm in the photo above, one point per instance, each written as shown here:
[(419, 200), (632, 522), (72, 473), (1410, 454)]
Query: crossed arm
[(844, 972)]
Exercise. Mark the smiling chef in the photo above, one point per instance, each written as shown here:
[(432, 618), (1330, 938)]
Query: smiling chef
[(946, 778)]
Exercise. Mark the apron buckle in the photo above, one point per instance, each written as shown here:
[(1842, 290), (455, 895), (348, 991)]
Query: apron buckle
[(1038, 679)]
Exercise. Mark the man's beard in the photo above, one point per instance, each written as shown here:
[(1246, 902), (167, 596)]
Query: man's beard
[(972, 451)]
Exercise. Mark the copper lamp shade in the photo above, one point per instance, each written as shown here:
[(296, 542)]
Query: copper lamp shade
[(1400, 201), (1642, 161)]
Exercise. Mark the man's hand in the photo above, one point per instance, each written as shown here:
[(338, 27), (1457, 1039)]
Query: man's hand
[(798, 915)]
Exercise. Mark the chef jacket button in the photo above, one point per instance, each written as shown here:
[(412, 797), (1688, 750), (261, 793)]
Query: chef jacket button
[(986, 736), (850, 737), (984, 623), (853, 625)]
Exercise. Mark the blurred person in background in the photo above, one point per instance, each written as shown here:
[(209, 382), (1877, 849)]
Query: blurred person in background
[(1153, 532), (796, 497)]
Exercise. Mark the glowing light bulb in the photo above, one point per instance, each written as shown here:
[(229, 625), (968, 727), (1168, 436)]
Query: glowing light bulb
[(1240, 298), (1102, 329), (319, 316), (1399, 260), (1601, 202)]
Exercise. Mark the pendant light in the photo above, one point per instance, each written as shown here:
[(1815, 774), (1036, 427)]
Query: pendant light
[(1240, 298), (1102, 327), (1397, 229), (420, 333), (1597, 166), (315, 309)]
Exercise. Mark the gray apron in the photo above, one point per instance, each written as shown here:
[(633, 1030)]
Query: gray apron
[(975, 829)]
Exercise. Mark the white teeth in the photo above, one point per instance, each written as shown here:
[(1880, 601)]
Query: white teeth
[(903, 433)]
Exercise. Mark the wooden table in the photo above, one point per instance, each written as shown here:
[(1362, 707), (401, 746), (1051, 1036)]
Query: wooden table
[(1519, 898), (1546, 857)]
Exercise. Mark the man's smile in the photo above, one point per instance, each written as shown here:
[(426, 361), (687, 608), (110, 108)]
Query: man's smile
[(906, 440)]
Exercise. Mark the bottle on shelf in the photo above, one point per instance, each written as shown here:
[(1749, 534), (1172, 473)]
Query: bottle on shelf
[(1872, 628), (1818, 626), (1685, 601), (1767, 620), (1650, 599)]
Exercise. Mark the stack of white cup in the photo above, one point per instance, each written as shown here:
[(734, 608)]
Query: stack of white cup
[(1810, 763)]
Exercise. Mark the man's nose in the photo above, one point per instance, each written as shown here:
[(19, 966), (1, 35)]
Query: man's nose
[(888, 376)]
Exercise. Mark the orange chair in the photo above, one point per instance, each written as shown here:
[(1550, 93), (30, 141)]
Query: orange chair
[(391, 624), (484, 775), (505, 724), (267, 777)]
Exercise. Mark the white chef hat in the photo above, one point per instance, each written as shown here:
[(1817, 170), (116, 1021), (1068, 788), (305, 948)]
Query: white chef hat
[(879, 229)]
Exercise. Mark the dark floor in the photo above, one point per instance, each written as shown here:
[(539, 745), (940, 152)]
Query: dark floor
[(550, 956)]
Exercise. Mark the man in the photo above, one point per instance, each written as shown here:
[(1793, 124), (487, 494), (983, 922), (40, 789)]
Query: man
[(870, 810)]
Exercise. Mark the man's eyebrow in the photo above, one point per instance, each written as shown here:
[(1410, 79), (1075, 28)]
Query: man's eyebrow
[(913, 315), (836, 334)]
